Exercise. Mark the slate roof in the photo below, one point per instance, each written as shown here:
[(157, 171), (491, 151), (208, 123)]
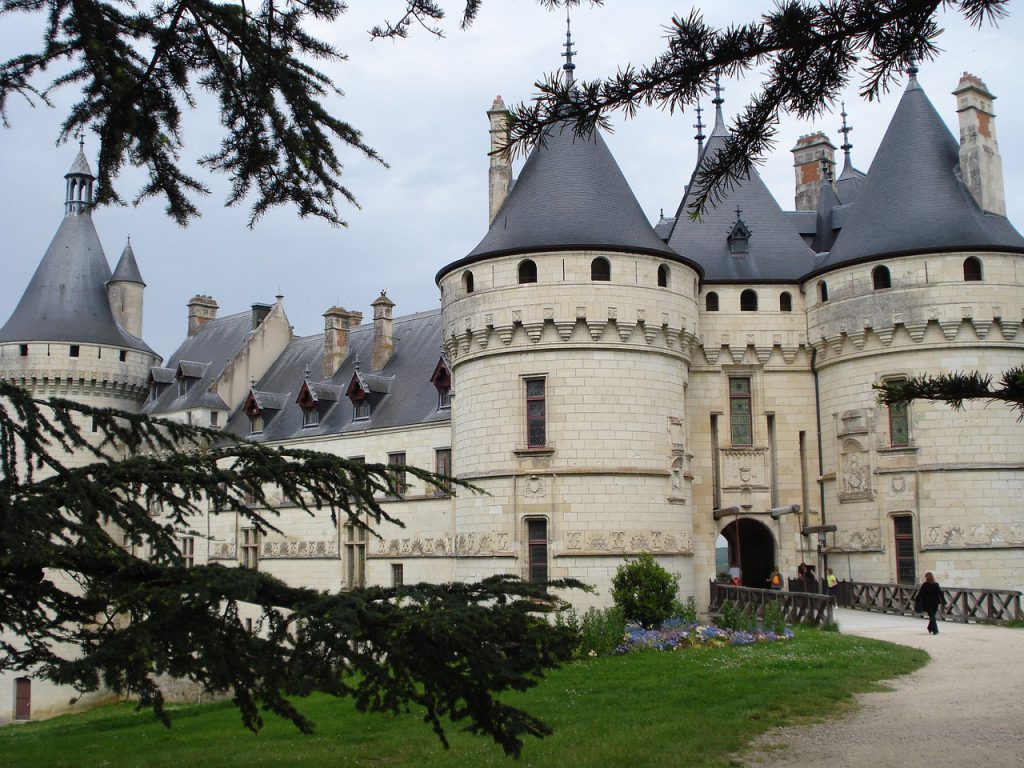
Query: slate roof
[(127, 269), (777, 251), (403, 394), (570, 195), (66, 299), (913, 200), (207, 354)]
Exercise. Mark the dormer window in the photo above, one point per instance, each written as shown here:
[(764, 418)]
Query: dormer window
[(184, 385), (187, 374), (442, 381), (255, 423), (739, 236), (366, 391), (360, 410), (159, 380), (310, 417), (261, 407)]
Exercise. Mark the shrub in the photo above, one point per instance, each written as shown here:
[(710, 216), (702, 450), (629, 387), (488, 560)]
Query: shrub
[(773, 618), (734, 617), (601, 631), (685, 612), (644, 591)]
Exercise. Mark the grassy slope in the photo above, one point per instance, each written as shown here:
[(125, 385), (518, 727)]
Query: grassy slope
[(689, 708)]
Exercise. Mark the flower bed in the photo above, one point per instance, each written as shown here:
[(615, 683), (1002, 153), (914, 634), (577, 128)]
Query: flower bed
[(676, 635)]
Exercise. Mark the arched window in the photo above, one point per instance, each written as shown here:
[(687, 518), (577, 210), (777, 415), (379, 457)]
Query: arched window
[(527, 271), (467, 281), (972, 269), (822, 291), (785, 302), (711, 302), (880, 278), (748, 301), (663, 275), (601, 269)]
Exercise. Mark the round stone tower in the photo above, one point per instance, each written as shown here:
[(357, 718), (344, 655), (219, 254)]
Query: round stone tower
[(919, 281), (568, 330), (63, 338)]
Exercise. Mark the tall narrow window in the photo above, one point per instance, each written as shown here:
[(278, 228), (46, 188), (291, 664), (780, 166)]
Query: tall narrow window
[(396, 462), (711, 302), (537, 551), (785, 302), (748, 301), (663, 276), (527, 271), (899, 425), (822, 291), (903, 531), (250, 548), (360, 410), (740, 411), (880, 278), (188, 552), (601, 269), (22, 698), (214, 418), (397, 574), (536, 414), (255, 423), (467, 281), (972, 269), (355, 555), (443, 466)]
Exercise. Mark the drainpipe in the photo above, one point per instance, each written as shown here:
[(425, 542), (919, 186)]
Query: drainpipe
[(821, 455)]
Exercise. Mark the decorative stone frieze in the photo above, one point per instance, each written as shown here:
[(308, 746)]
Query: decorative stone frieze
[(940, 537), (299, 550), (857, 540), (223, 550), (627, 542), (497, 544)]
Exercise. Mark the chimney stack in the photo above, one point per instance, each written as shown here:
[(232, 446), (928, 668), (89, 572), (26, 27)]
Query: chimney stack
[(808, 154), (259, 313), (500, 174), (981, 167), (337, 321), (383, 341), (200, 309)]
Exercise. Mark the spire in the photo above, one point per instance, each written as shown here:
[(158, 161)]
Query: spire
[(845, 130), (699, 125), (569, 67), (79, 181), (912, 71), (719, 129)]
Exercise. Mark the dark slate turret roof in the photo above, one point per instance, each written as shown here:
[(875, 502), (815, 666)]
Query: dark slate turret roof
[(66, 299), (127, 270), (777, 251), (913, 200), (403, 394), (570, 195), (203, 356)]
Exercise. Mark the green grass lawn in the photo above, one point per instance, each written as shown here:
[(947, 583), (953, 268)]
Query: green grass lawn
[(687, 708)]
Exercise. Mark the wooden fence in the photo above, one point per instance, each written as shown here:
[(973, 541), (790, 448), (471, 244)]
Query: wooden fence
[(985, 606), (797, 607)]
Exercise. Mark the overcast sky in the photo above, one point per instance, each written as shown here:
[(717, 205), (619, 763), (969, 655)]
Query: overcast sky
[(421, 102)]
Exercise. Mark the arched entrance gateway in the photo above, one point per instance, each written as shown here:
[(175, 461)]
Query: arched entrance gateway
[(752, 548)]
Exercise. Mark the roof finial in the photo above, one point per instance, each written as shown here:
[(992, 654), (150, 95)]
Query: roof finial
[(81, 139), (845, 130), (356, 364), (699, 125), (305, 372), (569, 52), (719, 128)]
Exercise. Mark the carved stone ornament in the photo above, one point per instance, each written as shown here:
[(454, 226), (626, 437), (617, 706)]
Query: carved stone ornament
[(464, 545), (534, 487), (857, 540), (744, 468), (223, 551), (898, 486), (969, 536), (854, 472), (628, 542), (299, 550)]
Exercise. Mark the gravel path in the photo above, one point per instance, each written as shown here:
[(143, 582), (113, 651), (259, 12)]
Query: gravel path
[(964, 708)]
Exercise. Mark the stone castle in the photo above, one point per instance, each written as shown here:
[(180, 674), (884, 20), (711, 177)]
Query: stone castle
[(616, 387)]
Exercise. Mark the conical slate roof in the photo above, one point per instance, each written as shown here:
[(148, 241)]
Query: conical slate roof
[(913, 200), (66, 299), (127, 270), (570, 195), (776, 250)]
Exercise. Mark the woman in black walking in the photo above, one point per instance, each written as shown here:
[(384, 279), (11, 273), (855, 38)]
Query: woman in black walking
[(929, 598)]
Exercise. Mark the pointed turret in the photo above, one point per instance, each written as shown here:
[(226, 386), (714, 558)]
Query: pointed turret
[(66, 300), (773, 249), (913, 200), (125, 292)]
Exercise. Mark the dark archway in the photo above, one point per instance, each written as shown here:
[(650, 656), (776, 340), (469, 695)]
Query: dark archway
[(752, 548)]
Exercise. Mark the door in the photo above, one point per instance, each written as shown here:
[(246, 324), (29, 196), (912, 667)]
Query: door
[(22, 699)]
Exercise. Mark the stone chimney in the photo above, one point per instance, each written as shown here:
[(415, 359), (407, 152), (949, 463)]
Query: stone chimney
[(500, 174), (981, 167), (383, 341), (259, 313), (808, 153), (200, 309), (337, 321)]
